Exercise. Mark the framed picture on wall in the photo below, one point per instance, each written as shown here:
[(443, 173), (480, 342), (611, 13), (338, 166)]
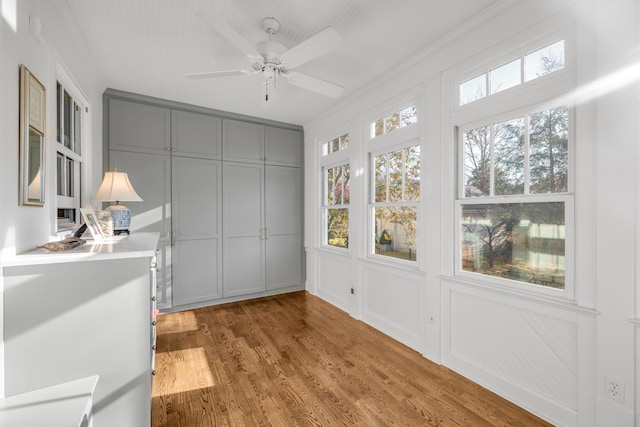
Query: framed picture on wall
[(91, 220), (32, 147)]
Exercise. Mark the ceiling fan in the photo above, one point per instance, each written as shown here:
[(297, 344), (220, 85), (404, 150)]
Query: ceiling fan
[(271, 59)]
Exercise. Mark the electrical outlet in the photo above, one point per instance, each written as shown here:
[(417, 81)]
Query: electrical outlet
[(614, 389)]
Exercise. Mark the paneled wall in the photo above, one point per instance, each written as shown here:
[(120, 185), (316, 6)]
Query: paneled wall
[(552, 356)]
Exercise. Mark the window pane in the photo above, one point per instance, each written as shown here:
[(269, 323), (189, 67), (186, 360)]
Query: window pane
[(396, 169), (477, 162), (330, 186), (60, 175), (70, 178), (395, 229), (544, 61), (67, 120), (509, 157), (346, 179), (338, 227), (392, 122), (517, 241), (59, 112), (412, 174), (473, 89), (325, 148), (505, 76), (380, 163), (337, 185), (344, 141), (409, 116), (377, 128), (549, 158), (335, 145), (77, 131)]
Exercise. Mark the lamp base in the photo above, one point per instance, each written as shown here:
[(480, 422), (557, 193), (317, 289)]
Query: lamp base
[(121, 218)]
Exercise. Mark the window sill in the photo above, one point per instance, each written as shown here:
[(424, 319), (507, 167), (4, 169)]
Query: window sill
[(411, 266)]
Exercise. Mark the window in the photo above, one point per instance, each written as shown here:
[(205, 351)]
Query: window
[(335, 205), (395, 193), (541, 62), (70, 113), (514, 200), (402, 118), (335, 145)]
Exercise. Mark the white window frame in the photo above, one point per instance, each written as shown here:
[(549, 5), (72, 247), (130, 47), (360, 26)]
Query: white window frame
[(330, 160), (399, 139), (529, 97), (372, 204), (79, 160), (326, 206)]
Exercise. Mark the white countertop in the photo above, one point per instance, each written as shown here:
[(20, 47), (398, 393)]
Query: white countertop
[(131, 246)]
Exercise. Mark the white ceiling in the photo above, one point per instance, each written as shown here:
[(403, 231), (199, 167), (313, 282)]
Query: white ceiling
[(146, 46)]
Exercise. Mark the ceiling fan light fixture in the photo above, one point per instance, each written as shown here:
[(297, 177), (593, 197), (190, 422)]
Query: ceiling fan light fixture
[(271, 25), (272, 59)]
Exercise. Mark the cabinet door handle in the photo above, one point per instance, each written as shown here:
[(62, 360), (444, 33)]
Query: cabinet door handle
[(173, 238)]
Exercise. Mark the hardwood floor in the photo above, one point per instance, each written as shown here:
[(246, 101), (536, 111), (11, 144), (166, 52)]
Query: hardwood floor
[(295, 360)]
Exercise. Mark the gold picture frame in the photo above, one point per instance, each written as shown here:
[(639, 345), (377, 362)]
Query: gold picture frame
[(32, 142)]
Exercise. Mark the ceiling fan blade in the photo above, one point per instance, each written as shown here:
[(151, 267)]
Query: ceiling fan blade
[(315, 85), (315, 46), (219, 25), (218, 74)]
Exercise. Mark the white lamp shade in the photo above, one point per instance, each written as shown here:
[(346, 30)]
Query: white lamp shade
[(116, 187)]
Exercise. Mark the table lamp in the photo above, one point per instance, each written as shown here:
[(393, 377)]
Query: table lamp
[(117, 188)]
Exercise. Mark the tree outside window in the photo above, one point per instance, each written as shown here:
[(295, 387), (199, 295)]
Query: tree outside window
[(526, 158), (396, 192), (336, 205)]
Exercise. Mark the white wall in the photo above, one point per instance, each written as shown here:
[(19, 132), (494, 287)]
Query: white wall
[(23, 228), (549, 356)]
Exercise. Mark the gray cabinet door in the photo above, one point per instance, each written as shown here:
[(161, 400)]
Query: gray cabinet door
[(242, 141), (283, 196), (283, 146), (243, 238), (197, 227), (196, 135), (150, 175), (138, 127)]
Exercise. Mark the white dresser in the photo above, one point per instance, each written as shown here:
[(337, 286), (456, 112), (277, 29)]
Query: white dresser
[(85, 312)]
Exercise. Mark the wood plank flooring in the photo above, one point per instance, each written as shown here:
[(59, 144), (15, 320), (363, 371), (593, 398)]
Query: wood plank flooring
[(295, 360)]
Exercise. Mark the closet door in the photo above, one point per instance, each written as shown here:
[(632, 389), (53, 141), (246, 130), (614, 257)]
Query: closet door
[(284, 226), (197, 227), (243, 236), (150, 175), (282, 147), (242, 141), (139, 127), (196, 135)]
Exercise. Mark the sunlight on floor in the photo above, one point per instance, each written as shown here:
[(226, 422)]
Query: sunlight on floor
[(177, 323), (181, 371)]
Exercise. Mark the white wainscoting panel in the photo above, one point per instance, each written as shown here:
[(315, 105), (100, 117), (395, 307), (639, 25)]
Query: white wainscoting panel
[(334, 279), (521, 349), (391, 303)]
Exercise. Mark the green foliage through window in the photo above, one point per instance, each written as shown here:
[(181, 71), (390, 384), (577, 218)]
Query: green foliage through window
[(337, 195), (396, 192)]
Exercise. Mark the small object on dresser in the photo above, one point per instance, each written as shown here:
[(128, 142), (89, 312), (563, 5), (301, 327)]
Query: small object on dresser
[(63, 245), (105, 220)]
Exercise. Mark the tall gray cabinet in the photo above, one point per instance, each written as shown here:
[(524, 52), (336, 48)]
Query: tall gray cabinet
[(224, 191)]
